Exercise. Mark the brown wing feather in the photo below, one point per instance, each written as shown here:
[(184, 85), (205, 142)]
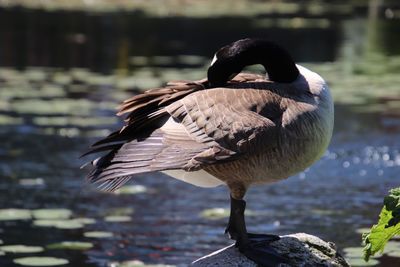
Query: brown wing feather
[(142, 110), (207, 135)]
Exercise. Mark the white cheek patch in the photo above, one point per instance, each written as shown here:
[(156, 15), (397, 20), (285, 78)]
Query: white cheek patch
[(214, 59)]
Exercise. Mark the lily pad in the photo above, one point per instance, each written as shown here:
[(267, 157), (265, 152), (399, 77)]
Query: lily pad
[(49, 214), (14, 214), (73, 245), (10, 120), (60, 224), (98, 234), (392, 246), (215, 213), (31, 181), (69, 224), (21, 249), (359, 262), (394, 254), (355, 252), (117, 218), (85, 220), (220, 213), (363, 230), (41, 261), (131, 189)]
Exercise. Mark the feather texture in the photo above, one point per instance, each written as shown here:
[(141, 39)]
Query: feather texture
[(227, 131)]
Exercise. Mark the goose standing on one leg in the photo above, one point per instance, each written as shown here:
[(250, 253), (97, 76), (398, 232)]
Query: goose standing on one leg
[(235, 128)]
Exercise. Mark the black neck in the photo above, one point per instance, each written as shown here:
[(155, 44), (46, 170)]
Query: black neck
[(232, 58)]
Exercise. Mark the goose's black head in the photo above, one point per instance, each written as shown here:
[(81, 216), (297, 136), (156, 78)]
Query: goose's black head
[(231, 59)]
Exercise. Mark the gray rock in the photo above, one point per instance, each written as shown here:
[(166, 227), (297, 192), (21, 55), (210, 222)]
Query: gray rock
[(302, 250)]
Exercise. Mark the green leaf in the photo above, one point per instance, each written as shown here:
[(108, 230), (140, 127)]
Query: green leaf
[(40, 261), (14, 214), (20, 249), (98, 234), (387, 227), (51, 214)]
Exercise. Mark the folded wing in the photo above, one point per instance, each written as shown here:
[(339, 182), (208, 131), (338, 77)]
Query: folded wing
[(187, 126)]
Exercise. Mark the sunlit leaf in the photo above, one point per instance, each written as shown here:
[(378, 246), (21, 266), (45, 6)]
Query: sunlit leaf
[(131, 189), (85, 220), (40, 261), (14, 214), (387, 227), (359, 262), (10, 120), (98, 234), (219, 213), (215, 213), (52, 214), (60, 224), (31, 182), (21, 249)]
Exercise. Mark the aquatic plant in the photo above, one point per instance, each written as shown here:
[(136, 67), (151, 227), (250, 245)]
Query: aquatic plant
[(387, 227)]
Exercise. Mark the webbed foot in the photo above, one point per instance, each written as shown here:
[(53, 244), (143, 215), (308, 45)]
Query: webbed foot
[(255, 247), (264, 238)]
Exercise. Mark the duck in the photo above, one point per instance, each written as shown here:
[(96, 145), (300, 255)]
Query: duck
[(232, 128)]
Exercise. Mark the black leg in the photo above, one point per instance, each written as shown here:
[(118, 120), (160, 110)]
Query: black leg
[(236, 225), (254, 246)]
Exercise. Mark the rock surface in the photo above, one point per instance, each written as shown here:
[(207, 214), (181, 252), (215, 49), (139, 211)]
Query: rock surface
[(302, 250)]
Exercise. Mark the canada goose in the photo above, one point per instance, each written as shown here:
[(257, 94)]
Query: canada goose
[(233, 128)]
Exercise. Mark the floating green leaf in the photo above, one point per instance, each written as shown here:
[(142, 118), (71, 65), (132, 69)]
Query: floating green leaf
[(85, 220), (353, 252), (31, 181), (73, 245), (392, 246), (362, 230), (215, 213), (60, 224), (69, 224), (49, 214), (394, 254), (219, 213), (98, 234), (131, 189), (388, 225), (46, 223), (10, 120), (20, 249), (14, 214), (41, 261), (359, 262)]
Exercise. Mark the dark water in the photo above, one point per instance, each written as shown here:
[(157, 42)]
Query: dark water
[(49, 116)]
